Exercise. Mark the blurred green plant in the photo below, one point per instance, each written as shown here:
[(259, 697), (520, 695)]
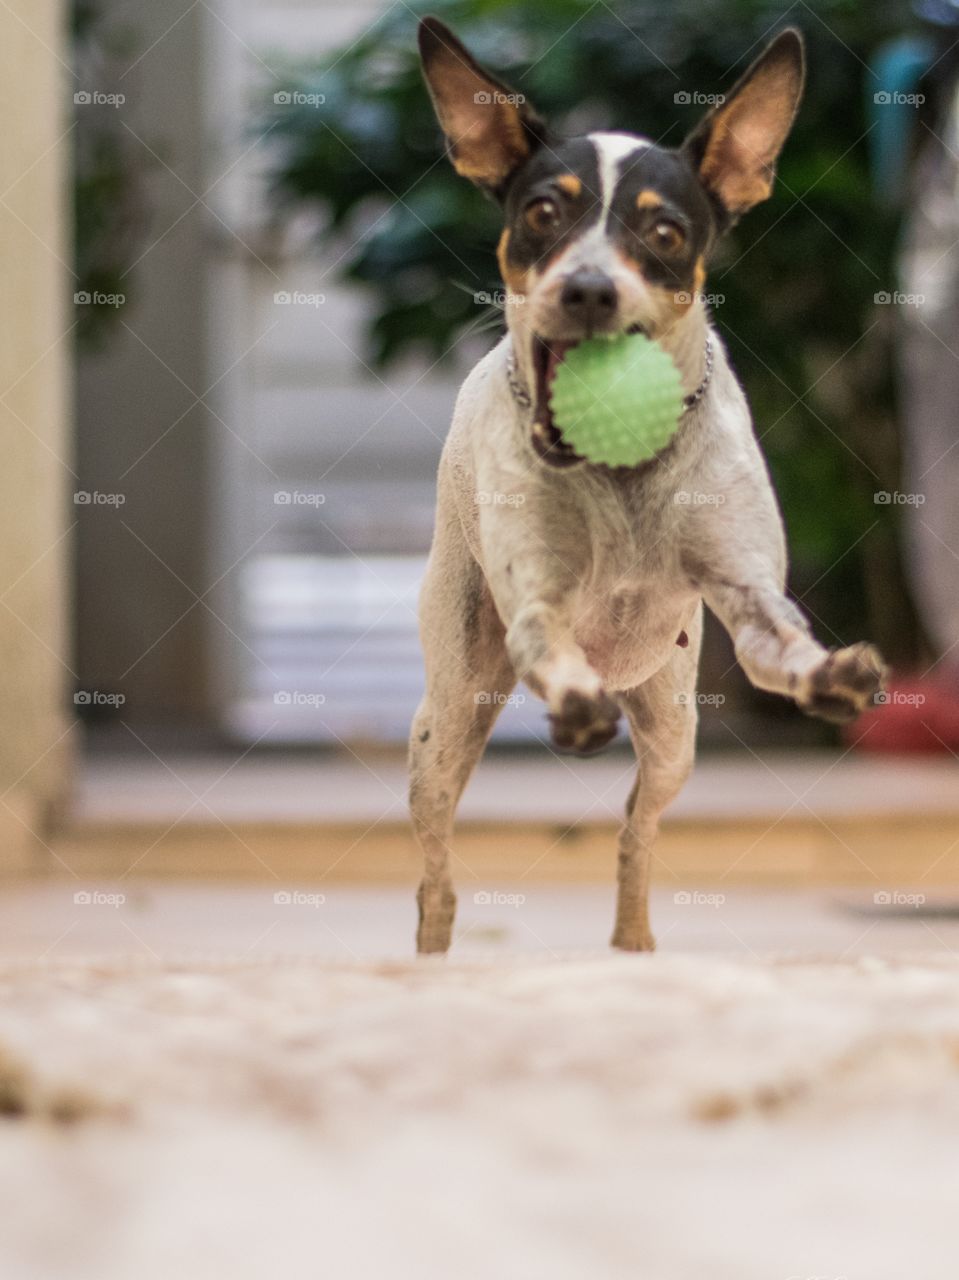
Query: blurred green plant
[(109, 216), (797, 279)]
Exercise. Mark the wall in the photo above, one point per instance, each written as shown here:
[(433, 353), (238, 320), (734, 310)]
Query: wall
[(141, 433), (35, 475)]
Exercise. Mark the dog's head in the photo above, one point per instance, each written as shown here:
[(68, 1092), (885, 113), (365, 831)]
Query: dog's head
[(608, 232)]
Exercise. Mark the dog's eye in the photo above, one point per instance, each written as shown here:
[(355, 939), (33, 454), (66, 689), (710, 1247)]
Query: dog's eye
[(542, 215), (666, 237)]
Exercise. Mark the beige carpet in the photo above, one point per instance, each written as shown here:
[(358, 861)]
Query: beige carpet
[(662, 1118)]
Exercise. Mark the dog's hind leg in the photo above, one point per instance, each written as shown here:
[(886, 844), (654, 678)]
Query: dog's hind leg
[(468, 678), (661, 714)]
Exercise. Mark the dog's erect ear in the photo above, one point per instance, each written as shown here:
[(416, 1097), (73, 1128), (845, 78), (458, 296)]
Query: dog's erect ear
[(489, 129), (735, 147)]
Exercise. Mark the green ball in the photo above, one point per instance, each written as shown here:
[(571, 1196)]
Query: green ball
[(617, 401)]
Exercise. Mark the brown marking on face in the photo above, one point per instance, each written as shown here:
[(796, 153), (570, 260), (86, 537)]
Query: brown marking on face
[(569, 183), (699, 275), (662, 290), (649, 200), (501, 249), (515, 279), (675, 299), (628, 261)]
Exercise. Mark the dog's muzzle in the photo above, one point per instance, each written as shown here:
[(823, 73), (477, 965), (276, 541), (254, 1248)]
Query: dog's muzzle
[(548, 354), (545, 436)]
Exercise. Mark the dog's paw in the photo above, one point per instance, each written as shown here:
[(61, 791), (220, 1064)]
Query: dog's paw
[(437, 909), (584, 722), (844, 684), (633, 940)]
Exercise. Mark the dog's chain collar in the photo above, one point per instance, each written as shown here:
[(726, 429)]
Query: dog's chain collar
[(516, 385), (523, 398), (694, 397)]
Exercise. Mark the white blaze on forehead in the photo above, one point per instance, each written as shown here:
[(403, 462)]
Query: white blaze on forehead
[(611, 150), (594, 248)]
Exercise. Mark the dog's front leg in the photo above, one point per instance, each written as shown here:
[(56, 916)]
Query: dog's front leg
[(544, 654), (734, 552), (534, 568), (776, 649)]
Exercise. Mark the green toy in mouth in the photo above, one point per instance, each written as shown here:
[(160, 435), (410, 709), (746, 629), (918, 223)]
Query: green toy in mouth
[(616, 400)]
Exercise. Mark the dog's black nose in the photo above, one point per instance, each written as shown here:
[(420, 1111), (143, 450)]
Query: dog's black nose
[(590, 298)]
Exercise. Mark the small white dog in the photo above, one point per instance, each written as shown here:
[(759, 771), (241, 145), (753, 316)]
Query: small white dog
[(588, 582)]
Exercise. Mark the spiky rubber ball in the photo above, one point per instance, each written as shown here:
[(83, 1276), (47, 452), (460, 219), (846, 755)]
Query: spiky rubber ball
[(617, 401)]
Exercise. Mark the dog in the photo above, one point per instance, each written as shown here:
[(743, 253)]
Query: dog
[(584, 581)]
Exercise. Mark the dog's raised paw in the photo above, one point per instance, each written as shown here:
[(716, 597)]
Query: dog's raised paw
[(584, 722), (844, 684)]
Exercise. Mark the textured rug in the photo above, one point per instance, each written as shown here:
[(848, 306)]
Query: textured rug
[(663, 1117)]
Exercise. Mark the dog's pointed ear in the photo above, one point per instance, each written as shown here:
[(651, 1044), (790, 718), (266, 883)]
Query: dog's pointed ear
[(490, 130), (735, 147)]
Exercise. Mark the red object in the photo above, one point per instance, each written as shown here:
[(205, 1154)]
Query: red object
[(914, 714)]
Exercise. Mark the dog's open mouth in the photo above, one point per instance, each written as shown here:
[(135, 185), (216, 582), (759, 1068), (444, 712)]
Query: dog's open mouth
[(548, 355)]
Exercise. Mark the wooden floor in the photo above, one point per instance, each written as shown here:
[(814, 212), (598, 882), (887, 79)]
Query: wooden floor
[(792, 850), (779, 820)]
